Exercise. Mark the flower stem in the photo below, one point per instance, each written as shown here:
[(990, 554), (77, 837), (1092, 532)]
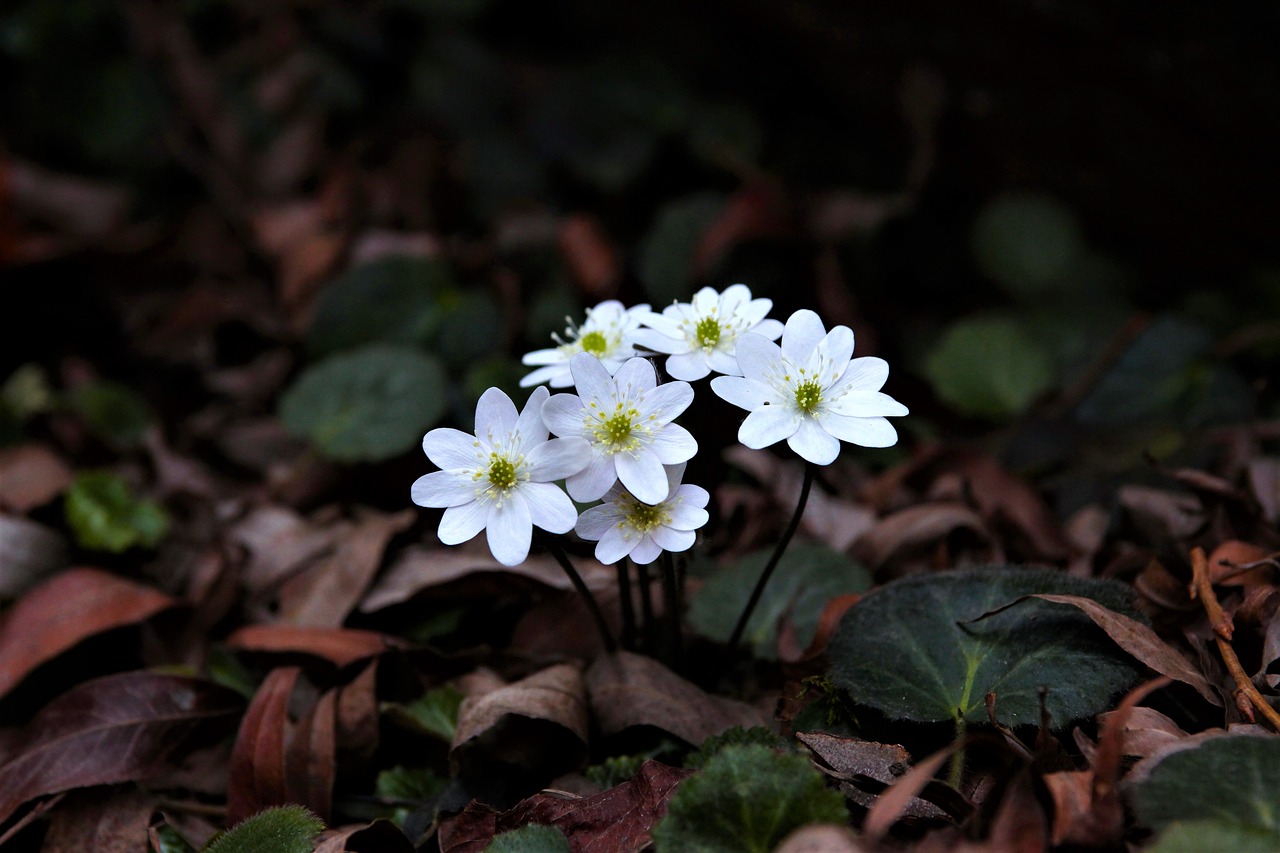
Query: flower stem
[(646, 608), (628, 639), (809, 471), (671, 611), (610, 645)]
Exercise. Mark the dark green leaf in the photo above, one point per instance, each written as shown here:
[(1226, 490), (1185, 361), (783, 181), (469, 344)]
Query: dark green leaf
[(171, 841), (667, 252), (1232, 780), (1026, 242), (115, 413), (989, 366), (736, 736), (106, 515), (912, 650), (280, 829), (472, 330), (394, 300), (529, 839), (407, 788), (1200, 836), (807, 577), (436, 713), (366, 405), (746, 800)]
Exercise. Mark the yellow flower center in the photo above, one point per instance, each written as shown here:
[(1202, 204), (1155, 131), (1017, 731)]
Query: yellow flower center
[(594, 342), (708, 332), (644, 517), (615, 430), (502, 474), (808, 396)]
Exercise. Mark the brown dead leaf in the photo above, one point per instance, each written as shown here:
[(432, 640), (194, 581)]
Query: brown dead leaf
[(279, 543), (756, 211), (65, 610), (916, 529), (1086, 531), (614, 821), (537, 724), (890, 806), (1005, 501), (29, 553), (341, 646), (358, 717), (1264, 483), (326, 593), (788, 645), (1146, 730), (628, 690), (1019, 824), (866, 768), (1163, 517), (822, 838), (1226, 559), (590, 255), (259, 777), (101, 821), (311, 757), (1072, 794), (31, 475)]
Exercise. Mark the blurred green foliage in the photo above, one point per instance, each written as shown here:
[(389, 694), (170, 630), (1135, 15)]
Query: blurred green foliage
[(105, 514)]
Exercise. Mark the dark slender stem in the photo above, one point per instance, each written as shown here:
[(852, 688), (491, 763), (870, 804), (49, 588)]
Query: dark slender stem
[(672, 615), (646, 607), (809, 471), (628, 639), (610, 645)]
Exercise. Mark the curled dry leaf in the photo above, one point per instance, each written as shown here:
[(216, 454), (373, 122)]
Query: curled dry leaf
[(258, 774), (63, 611), (916, 530), (617, 820), (31, 475), (1229, 556), (1163, 517), (1009, 503), (628, 690), (279, 542), (538, 723), (866, 768), (1145, 731), (29, 552), (341, 646), (121, 728)]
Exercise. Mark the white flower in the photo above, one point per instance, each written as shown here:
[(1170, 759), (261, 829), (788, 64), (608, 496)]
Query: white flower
[(608, 333), (627, 420), (810, 391), (701, 335), (626, 527), (501, 478)]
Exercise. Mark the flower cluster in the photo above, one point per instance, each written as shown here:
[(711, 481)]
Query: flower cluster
[(616, 439)]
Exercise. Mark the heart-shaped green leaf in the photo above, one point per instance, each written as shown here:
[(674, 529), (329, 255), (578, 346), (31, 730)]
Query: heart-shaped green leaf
[(989, 366), (366, 405), (914, 651)]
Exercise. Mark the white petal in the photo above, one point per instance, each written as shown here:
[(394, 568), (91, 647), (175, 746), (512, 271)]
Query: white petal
[(813, 443), (443, 488), (674, 474), (864, 374), (545, 356), (671, 540), (646, 550), (688, 366), (692, 495), (666, 402), (705, 301), (529, 425), (510, 530), (562, 414), (771, 329), (557, 376), (495, 414), (614, 545), (549, 507), (723, 361), (800, 338), (659, 341), (673, 444), (593, 522), (867, 432), (460, 523), (838, 345), (767, 426), (667, 323), (636, 375), (867, 404), (756, 356), (741, 392), (687, 517), (557, 459), (592, 482), (643, 475), (734, 299), (452, 448), (591, 378)]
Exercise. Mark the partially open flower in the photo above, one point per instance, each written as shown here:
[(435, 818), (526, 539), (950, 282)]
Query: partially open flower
[(810, 391), (608, 333), (502, 478), (701, 336), (626, 527)]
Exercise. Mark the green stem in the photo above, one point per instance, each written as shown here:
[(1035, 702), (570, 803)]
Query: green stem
[(610, 645), (628, 609), (672, 607), (646, 607), (809, 471), (956, 774)]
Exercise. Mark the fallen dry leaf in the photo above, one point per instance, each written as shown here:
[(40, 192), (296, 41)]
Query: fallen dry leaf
[(866, 768), (341, 646), (1228, 556), (1145, 731), (31, 475), (310, 757), (120, 728), (628, 690), (101, 821), (590, 256), (66, 609), (614, 821), (916, 529), (1007, 502), (258, 775), (1264, 483), (1165, 518)]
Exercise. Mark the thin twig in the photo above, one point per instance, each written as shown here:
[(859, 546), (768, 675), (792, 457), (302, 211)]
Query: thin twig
[(602, 625), (809, 471), (1202, 587)]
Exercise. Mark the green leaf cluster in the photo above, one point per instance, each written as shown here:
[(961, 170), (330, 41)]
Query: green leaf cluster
[(106, 515), (280, 829), (746, 800), (735, 736), (533, 838), (434, 713)]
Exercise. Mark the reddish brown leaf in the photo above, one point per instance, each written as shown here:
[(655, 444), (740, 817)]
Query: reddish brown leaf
[(591, 258), (342, 646), (121, 728), (1145, 731), (63, 611), (893, 803), (1226, 559), (1264, 483), (100, 821), (310, 757), (788, 646), (615, 821), (258, 776), (31, 475), (1004, 499), (633, 690), (358, 716), (916, 529), (1019, 824)]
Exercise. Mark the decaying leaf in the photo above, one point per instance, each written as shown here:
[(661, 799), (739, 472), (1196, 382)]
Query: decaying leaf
[(258, 773), (866, 768), (31, 475), (102, 821), (915, 530), (341, 646)]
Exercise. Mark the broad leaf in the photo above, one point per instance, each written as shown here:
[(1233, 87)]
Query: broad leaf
[(115, 412), (807, 577), (367, 405), (1198, 836), (436, 713), (989, 366), (1026, 243), (106, 515), (748, 798), (281, 829), (533, 838), (121, 728), (913, 649)]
